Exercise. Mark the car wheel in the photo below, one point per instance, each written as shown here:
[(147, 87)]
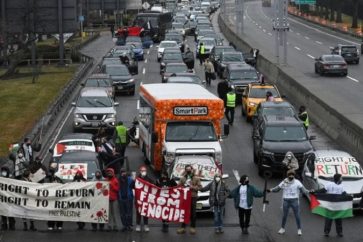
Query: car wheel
[(260, 170), (345, 73), (321, 72), (242, 111), (248, 119), (316, 70)]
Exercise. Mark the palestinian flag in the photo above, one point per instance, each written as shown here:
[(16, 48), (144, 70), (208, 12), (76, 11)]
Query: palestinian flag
[(331, 206)]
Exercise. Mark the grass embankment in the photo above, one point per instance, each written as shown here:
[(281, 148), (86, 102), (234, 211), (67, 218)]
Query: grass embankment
[(23, 103)]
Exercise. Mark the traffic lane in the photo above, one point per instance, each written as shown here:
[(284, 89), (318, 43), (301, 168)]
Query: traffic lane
[(328, 88), (302, 41)]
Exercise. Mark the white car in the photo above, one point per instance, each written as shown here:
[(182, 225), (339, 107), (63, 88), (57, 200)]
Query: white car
[(72, 143), (321, 166), (205, 167), (166, 44)]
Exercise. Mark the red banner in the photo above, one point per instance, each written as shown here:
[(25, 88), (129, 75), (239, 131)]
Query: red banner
[(170, 204)]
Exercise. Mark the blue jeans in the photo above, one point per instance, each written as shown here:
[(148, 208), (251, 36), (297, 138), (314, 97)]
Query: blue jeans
[(294, 204), (126, 212), (218, 216)]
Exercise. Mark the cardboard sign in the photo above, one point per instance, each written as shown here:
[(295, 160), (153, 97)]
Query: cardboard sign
[(68, 171), (171, 204), (206, 171), (346, 166)]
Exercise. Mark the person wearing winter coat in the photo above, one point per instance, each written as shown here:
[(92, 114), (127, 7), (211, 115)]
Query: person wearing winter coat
[(189, 59), (78, 177), (219, 192), (114, 188), (6, 222), (191, 180), (26, 177), (98, 177), (165, 182), (126, 199), (143, 175), (290, 161), (52, 178), (21, 164), (243, 196), (27, 148)]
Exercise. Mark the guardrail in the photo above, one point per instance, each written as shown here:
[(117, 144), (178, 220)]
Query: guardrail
[(344, 131)]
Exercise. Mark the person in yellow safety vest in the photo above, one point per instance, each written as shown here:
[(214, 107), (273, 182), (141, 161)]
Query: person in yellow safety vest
[(201, 53), (121, 138), (304, 117), (230, 106)]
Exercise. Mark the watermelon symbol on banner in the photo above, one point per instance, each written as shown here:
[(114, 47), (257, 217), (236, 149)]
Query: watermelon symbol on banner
[(101, 216)]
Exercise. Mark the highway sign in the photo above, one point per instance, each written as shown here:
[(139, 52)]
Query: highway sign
[(145, 5), (305, 2)]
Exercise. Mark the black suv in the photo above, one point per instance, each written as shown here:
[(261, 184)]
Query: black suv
[(350, 53), (275, 136), (239, 76)]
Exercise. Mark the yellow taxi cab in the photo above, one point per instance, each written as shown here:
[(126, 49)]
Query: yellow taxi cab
[(254, 94)]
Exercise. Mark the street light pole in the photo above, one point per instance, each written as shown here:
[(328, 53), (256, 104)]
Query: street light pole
[(281, 27)]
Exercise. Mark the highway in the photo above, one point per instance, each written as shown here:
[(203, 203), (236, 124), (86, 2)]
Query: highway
[(237, 152), (305, 43)]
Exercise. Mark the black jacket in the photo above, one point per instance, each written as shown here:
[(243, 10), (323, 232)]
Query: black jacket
[(161, 182)]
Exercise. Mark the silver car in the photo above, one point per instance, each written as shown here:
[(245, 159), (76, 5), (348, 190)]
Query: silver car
[(94, 109)]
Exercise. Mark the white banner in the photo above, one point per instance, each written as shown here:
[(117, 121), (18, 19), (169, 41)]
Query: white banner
[(76, 201)]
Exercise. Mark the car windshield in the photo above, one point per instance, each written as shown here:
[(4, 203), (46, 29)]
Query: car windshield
[(218, 51), (208, 41), (91, 167), (261, 92), (333, 58), (205, 168), (278, 111), (135, 45), (168, 45), (176, 68), (178, 25), (184, 79), (190, 131), (233, 57), (172, 56), (349, 49), (98, 83), (76, 142), (94, 102), (133, 39), (285, 133), (174, 37), (243, 74), (117, 70), (110, 61)]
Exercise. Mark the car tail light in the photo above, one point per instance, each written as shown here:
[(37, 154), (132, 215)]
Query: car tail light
[(326, 66), (344, 65)]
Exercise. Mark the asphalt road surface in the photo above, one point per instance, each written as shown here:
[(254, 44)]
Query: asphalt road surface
[(237, 150), (305, 43)]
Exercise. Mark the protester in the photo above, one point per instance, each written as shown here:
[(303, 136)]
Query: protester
[(291, 190), (121, 138), (124, 60), (112, 29), (26, 177), (243, 196), (201, 53), (126, 198), (290, 162), (230, 105), (165, 182), (222, 90), (114, 188), (36, 165), (189, 59), (219, 192), (52, 178), (304, 117), (6, 222), (21, 164), (143, 175), (98, 177), (191, 180), (335, 187), (27, 149), (79, 178), (109, 156), (209, 71)]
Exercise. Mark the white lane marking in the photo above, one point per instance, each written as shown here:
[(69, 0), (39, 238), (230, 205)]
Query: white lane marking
[(270, 34), (145, 61), (322, 32), (331, 47), (292, 31), (260, 26), (236, 175), (61, 128), (318, 42), (306, 37), (151, 46), (148, 52), (298, 33), (143, 70), (138, 104), (264, 30), (353, 79), (312, 57), (297, 48)]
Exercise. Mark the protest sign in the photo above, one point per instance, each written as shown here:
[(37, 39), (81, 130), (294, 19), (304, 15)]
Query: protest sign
[(77, 201), (171, 204), (68, 171), (346, 166), (38, 175)]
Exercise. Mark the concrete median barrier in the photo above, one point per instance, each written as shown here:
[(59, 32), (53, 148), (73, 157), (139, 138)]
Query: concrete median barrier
[(347, 133)]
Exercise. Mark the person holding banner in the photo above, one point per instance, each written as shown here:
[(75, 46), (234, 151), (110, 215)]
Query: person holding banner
[(26, 177), (78, 177), (114, 188), (7, 222), (243, 196), (126, 199), (52, 178), (291, 190), (191, 180), (219, 192), (143, 175), (165, 182), (98, 177)]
